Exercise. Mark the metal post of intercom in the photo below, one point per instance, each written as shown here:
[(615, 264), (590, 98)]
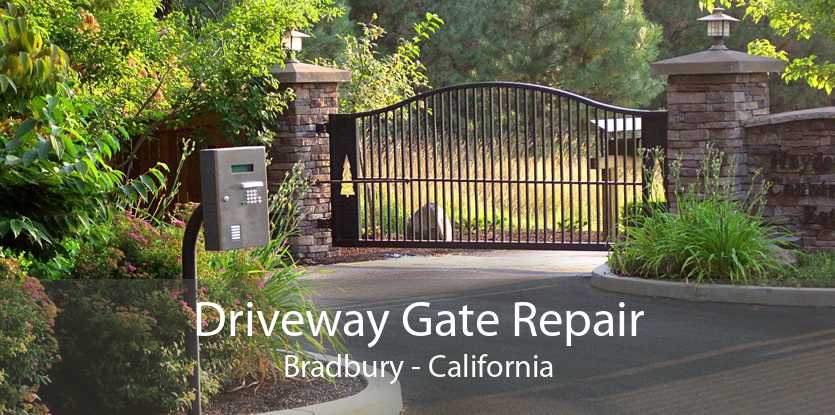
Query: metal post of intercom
[(234, 215)]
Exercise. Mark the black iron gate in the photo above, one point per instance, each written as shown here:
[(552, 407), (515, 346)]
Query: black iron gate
[(491, 165)]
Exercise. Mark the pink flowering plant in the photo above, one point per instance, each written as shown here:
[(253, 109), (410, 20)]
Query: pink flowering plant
[(28, 348)]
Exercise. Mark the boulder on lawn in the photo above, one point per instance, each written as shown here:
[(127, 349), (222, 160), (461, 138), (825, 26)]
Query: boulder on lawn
[(429, 223)]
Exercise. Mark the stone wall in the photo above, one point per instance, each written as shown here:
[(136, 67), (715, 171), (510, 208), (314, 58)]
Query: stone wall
[(711, 108), (796, 153), (299, 141)]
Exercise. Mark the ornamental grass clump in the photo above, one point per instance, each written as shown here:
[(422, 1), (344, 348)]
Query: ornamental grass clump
[(714, 232)]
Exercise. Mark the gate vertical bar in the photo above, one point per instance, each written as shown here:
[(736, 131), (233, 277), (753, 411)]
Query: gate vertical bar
[(535, 173), (616, 172), (625, 168), (385, 133), (438, 110), (589, 184), (518, 171), (401, 137), (509, 166), (551, 137), (501, 160), (597, 176), (493, 165), (526, 118), (484, 158), (425, 176), (395, 141), (607, 189), (458, 134), (570, 177), (365, 169), (562, 171), (418, 173), (467, 161), (579, 133)]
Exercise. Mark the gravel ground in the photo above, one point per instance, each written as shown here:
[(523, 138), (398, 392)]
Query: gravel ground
[(292, 393)]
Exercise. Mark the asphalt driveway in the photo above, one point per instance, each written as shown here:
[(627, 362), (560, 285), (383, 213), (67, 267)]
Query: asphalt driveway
[(688, 358)]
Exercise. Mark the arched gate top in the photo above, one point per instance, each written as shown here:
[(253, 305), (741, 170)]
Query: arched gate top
[(512, 85)]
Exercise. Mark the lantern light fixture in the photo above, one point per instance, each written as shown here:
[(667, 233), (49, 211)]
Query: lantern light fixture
[(292, 41), (718, 27)]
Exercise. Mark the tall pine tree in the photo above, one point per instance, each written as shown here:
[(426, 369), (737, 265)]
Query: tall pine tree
[(599, 48)]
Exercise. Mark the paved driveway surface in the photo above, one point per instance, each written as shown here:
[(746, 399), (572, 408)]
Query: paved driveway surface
[(689, 358)]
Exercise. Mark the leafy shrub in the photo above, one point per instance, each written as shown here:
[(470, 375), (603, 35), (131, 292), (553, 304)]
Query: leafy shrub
[(28, 348), (711, 235), (122, 348), (51, 150), (121, 332)]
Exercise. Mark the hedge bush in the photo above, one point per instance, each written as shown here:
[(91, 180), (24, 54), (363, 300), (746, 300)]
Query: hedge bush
[(122, 347), (28, 348)]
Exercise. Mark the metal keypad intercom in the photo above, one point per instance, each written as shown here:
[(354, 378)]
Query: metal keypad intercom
[(235, 202)]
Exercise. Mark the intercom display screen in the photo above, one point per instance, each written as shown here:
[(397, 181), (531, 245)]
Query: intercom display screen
[(243, 168)]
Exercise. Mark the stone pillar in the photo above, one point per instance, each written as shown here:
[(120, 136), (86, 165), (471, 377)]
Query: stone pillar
[(710, 95), (301, 138)]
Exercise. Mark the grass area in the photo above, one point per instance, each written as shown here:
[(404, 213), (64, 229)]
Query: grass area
[(813, 270), (505, 204)]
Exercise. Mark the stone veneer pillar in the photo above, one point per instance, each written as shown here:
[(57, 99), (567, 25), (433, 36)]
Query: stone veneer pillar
[(300, 138), (710, 95)]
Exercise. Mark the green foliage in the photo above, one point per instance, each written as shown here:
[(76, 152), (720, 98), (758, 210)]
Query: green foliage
[(378, 80), (326, 38), (156, 64), (710, 236), (122, 348), (52, 152), (285, 212), (157, 209), (599, 48), (51, 155), (635, 213), (28, 348), (798, 19), (813, 269), (28, 66), (124, 311)]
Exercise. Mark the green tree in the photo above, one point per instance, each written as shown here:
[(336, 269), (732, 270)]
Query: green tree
[(599, 48), (327, 38), (683, 34), (378, 80), (802, 20)]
